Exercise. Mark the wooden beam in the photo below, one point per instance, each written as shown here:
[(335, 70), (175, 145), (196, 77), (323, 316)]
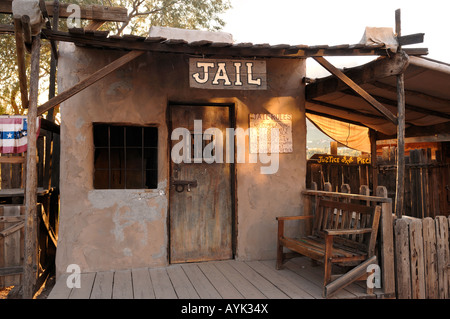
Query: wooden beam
[(409, 107), (227, 50), (349, 111), (366, 96), (90, 12), (21, 67), (367, 73), (401, 114), (349, 277), (326, 115), (94, 25), (88, 81), (420, 95), (373, 156), (380, 198), (53, 64), (386, 242), (30, 252), (6, 28), (410, 39)]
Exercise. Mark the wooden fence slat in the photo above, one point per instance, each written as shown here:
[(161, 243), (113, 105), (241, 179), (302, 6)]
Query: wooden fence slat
[(442, 247), (417, 262), (430, 255), (387, 243), (12, 248), (403, 267)]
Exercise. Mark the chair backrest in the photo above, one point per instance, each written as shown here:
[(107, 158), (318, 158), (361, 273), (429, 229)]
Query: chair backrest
[(338, 215)]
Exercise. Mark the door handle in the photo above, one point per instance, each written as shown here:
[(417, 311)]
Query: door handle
[(181, 184)]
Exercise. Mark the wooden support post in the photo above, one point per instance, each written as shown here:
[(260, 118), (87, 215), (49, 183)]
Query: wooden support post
[(20, 51), (30, 253), (53, 63), (26, 26), (373, 158), (400, 178), (88, 81), (387, 243)]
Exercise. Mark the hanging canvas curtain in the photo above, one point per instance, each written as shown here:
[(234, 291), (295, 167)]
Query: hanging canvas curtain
[(352, 136)]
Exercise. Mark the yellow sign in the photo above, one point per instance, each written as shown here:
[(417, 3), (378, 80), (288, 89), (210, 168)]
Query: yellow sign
[(339, 159)]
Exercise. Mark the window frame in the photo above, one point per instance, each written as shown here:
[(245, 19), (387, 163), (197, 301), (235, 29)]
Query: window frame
[(152, 145)]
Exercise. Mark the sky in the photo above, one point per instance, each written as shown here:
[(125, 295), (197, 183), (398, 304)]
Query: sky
[(316, 22)]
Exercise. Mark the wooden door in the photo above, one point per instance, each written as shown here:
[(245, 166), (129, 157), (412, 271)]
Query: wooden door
[(201, 208)]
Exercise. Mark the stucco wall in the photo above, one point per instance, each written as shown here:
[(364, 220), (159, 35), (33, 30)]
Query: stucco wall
[(117, 229)]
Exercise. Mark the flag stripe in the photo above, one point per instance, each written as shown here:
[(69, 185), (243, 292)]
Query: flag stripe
[(13, 134)]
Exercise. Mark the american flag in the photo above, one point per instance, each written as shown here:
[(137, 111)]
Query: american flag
[(13, 130)]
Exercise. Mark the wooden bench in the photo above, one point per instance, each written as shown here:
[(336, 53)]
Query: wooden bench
[(342, 233)]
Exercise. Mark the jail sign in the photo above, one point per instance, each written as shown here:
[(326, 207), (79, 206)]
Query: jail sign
[(227, 74)]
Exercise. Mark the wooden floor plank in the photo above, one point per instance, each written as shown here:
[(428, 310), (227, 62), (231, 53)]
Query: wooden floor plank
[(142, 284), (86, 283), (220, 282), (262, 284), (316, 274), (276, 278), (103, 283), (60, 290), (201, 283), (122, 286), (183, 287), (162, 285), (245, 287), (308, 285), (212, 280)]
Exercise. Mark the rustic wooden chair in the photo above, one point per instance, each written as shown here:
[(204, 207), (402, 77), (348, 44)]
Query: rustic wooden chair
[(343, 234)]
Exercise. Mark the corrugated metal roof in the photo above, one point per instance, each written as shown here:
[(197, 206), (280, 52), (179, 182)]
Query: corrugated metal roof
[(102, 39)]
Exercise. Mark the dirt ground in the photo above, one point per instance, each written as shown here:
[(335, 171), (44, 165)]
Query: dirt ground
[(13, 292)]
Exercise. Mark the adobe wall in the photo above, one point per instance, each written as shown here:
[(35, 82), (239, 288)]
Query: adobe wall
[(118, 229)]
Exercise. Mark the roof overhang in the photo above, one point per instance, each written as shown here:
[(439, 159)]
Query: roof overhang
[(426, 93), (102, 40)]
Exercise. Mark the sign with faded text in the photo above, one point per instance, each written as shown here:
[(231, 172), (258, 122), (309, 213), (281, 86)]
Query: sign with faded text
[(226, 74), (341, 159), (261, 126)]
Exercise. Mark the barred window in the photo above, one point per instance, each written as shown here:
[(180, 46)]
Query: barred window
[(125, 157)]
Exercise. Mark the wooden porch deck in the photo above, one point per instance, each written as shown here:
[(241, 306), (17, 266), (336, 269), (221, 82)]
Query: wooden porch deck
[(229, 279)]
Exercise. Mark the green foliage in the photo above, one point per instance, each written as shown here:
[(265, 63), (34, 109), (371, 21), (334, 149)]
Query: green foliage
[(187, 14)]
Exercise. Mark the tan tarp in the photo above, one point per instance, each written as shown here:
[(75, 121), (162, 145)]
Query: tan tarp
[(31, 9), (350, 135), (377, 36)]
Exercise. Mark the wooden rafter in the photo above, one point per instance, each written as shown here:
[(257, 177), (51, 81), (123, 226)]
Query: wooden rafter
[(88, 81), (419, 95), (409, 107), (366, 96), (367, 73)]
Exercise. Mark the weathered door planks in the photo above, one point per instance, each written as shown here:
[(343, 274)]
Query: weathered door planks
[(200, 216)]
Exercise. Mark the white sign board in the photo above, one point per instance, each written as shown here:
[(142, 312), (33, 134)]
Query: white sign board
[(262, 124)]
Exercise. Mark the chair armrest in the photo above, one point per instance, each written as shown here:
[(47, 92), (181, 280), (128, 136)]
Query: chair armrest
[(333, 232), (294, 217)]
